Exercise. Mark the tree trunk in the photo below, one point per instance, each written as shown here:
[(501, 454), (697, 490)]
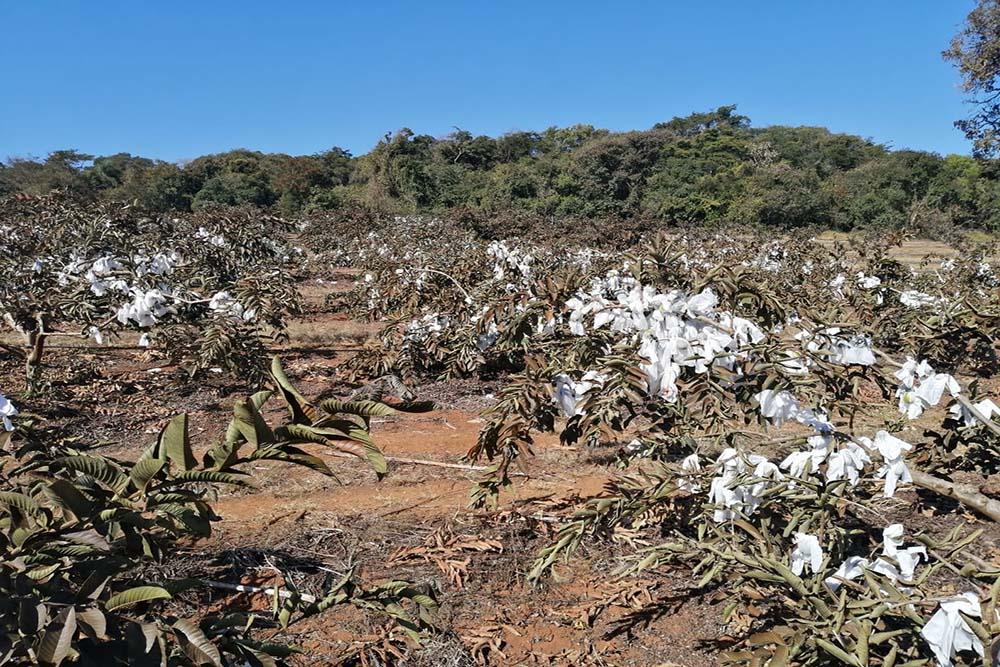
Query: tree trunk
[(33, 362)]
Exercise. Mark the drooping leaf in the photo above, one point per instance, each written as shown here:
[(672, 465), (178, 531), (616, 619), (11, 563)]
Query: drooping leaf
[(143, 471), (136, 595), (92, 622), (372, 452), (212, 477), (69, 497), (90, 538), (195, 644), (302, 412), (251, 425), (292, 455), (260, 398), (18, 501), (333, 438), (175, 443), (142, 639), (302, 433), (191, 519), (57, 641), (837, 652), (360, 408), (99, 468), (42, 573)]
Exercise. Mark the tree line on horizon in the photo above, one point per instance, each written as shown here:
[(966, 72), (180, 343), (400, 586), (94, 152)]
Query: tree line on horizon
[(703, 168)]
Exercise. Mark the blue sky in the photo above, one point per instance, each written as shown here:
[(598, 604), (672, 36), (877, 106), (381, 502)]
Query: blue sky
[(174, 80)]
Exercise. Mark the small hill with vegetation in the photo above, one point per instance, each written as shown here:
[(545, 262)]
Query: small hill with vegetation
[(703, 168)]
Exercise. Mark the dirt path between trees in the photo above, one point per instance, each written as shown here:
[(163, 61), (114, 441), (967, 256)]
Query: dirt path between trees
[(584, 618)]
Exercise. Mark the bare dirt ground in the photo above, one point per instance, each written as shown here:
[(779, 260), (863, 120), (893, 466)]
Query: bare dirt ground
[(415, 524)]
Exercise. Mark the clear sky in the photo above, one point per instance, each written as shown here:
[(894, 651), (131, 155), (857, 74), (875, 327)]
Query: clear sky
[(178, 79)]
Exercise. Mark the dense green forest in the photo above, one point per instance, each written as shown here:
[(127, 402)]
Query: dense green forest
[(706, 167)]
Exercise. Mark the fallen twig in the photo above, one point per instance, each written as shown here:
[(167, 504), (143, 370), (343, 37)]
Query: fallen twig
[(419, 462), (428, 462), (965, 494)]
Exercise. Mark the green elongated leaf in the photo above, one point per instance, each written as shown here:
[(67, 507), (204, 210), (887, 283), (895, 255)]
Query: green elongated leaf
[(791, 578), (343, 418), (302, 412), (425, 601), (377, 461), (135, 596), (19, 501), (175, 496), (292, 455), (233, 437), (890, 657), (192, 520), (212, 477), (225, 453), (345, 428), (57, 641), (22, 534), (196, 645), (710, 574), (360, 408), (117, 514), (322, 436), (220, 456), (879, 637), (143, 471), (38, 574), (251, 425), (69, 497), (837, 652), (310, 433), (99, 468), (260, 398), (864, 631), (981, 632), (175, 443), (302, 433), (150, 452), (372, 452), (761, 575), (285, 613)]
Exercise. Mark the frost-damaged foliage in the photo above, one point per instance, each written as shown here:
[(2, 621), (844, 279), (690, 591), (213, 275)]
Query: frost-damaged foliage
[(795, 565), (78, 529), (459, 306), (685, 354), (208, 288)]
